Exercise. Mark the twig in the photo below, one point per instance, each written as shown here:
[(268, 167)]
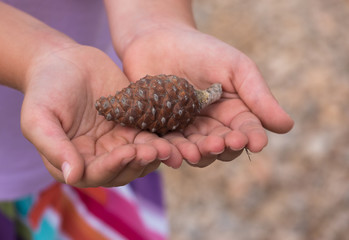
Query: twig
[(248, 154)]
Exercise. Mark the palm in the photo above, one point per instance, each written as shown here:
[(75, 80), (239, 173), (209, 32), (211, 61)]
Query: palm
[(58, 116), (230, 124)]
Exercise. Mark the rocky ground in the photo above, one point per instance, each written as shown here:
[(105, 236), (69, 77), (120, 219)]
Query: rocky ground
[(297, 187)]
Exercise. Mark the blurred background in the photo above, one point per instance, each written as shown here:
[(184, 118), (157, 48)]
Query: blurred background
[(298, 186)]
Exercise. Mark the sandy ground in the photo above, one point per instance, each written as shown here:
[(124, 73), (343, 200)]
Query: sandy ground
[(297, 187)]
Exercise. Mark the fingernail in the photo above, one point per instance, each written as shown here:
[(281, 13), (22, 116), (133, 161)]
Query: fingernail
[(217, 153), (66, 169), (236, 149), (164, 159)]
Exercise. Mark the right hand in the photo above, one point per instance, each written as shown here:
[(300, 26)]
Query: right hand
[(238, 120)]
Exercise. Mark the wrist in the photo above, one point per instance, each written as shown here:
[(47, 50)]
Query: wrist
[(51, 43), (152, 32), (135, 19)]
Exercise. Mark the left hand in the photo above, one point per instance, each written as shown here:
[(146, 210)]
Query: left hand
[(77, 146), (225, 128)]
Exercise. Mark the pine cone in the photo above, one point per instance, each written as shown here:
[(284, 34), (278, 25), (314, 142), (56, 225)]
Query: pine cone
[(158, 104)]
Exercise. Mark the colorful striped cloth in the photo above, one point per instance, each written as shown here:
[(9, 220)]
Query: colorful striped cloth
[(65, 212)]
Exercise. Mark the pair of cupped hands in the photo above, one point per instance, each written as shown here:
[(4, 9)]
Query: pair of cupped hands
[(81, 148)]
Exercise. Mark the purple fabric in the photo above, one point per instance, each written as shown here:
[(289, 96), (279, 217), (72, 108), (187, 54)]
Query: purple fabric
[(7, 228), (21, 169), (149, 188), (84, 21)]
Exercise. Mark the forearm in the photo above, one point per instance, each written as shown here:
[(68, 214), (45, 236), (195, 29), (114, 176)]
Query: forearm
[(23, 39), (128, 19)]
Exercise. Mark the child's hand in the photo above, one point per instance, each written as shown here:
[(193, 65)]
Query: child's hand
[(59, 118), (237, 121)]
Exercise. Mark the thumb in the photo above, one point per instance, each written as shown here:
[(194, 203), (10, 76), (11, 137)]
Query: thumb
[(254, 91), (45, 132)]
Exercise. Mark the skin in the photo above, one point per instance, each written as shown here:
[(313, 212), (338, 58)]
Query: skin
[(61, 80)]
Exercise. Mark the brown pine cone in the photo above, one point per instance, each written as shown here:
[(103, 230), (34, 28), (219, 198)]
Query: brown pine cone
[(158, 104)]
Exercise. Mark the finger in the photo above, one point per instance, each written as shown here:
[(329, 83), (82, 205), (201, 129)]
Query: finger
[(187, 149), (254, 91), (44, 130), (104, 168), (235, 140), (247, 124), (166, 151), (146, 156), (204, 162), (208, 145), (176, 159), (161, 145), (146, 153), (131, 173), (208, 135), (55, 172), (121, 181)]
